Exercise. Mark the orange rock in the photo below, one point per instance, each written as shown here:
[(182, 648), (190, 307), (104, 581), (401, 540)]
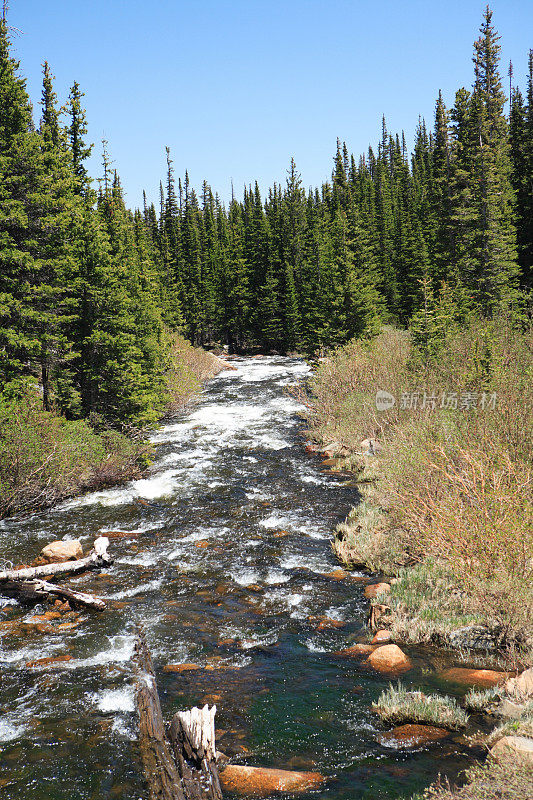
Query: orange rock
[(326, 624), (474, 677), (389, 659), (382, 637), (414, 735), (180, 667), (337, 574), (376, 588), (67, 626), (280, 534), (356, 650), (47, 616), (262, 782), (202, 543), (121, 534), (44, 662)]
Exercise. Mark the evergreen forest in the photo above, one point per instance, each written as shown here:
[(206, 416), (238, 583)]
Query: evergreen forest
[(92, 293)]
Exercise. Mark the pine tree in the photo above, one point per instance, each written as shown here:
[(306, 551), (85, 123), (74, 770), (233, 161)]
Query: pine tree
[(494, 244)]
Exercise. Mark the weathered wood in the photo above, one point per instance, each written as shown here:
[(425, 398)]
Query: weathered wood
[(38, 590), (97, 558), (160, 770), (192, 737)]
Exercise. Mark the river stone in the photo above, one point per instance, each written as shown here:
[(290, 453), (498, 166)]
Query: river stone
[(376, 588), (57, 552), (484, 678), (414, 735), (512, 746), (389, 659), (382, 637), (262, 782), (521, 687)]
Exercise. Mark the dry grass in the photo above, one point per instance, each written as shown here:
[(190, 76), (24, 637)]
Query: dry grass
[(451, 484), (509, 778)]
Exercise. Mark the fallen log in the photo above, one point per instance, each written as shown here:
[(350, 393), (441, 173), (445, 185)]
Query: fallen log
[(39, 590), (159, 767), (97, 558), (192, 736), (179, 764)]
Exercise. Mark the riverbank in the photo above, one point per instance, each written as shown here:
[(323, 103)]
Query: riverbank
[(441, 448), (46, 458)]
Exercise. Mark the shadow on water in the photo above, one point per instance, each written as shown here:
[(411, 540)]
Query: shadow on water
[(227, 562)]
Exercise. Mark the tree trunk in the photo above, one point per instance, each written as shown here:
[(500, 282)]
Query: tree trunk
[(160, 770), (38, 590)]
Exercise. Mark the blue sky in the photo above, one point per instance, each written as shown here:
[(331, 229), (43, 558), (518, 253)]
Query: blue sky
[(237, 88)]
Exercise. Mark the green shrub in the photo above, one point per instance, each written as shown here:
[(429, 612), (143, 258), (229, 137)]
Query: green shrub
[(45, 458)]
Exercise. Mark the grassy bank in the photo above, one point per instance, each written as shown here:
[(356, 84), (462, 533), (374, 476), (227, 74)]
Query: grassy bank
[(45, 458), (448, 504)]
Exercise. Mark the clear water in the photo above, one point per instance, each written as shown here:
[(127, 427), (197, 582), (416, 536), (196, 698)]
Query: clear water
[(226, 566)]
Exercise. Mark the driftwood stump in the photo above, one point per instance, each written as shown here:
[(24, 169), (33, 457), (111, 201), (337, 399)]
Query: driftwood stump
[(192, 736), (182, 764)]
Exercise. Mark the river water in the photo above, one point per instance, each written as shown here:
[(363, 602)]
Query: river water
[(227, 562)]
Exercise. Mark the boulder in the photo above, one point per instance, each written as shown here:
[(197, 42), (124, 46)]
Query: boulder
[(382, 637), (376, 588), (521, 688), (262, 782), (389, 659), (57, 552), (484, 678), (513, 746), (414, 735)]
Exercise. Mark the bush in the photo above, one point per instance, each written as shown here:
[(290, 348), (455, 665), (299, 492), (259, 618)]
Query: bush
[(45, 458)]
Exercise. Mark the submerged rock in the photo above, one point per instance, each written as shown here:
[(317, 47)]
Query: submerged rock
[(356, 650), (262, 782), (414, 735), (389, 659), (180, 667), (50, 661), (485, 678), (512, 746), (57, 552)]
